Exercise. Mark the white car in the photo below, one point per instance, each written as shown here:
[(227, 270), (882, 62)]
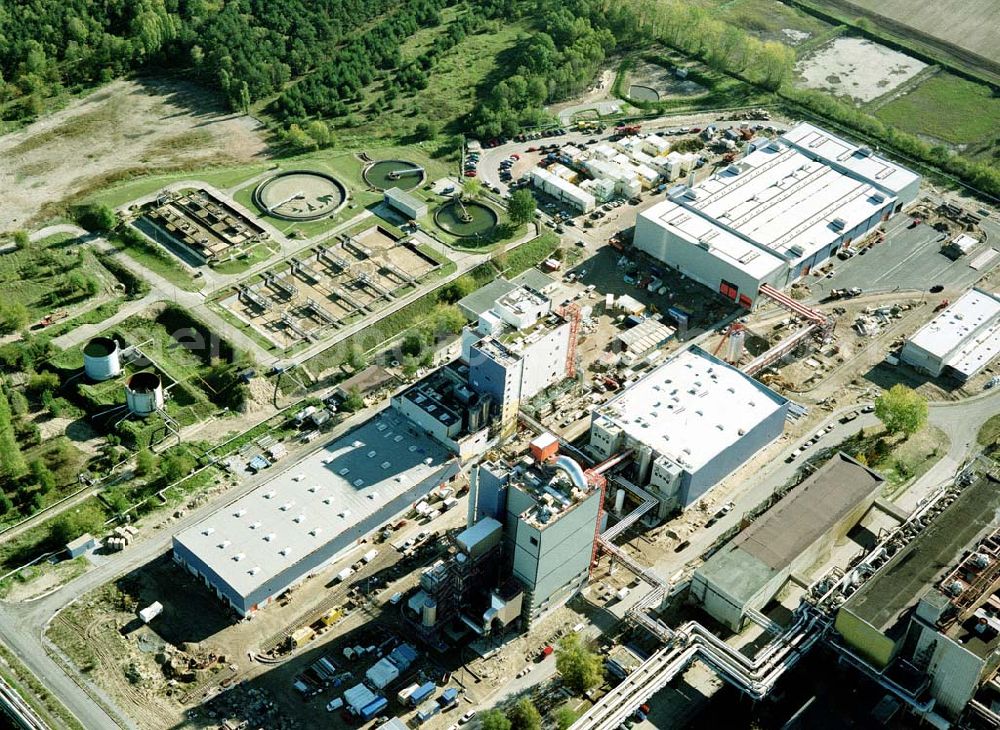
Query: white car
[(466, 717)]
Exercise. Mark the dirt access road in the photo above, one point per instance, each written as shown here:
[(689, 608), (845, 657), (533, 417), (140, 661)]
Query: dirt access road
[(123, 129)]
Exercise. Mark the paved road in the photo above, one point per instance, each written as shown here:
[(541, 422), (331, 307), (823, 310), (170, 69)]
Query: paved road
[(960, 421)]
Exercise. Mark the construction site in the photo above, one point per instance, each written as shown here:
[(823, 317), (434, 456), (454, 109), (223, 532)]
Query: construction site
[(330, 286)]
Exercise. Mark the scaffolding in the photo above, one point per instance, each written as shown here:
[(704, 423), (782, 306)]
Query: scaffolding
[(247, 294)]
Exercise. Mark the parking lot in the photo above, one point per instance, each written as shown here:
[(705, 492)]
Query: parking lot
[(908, 258)]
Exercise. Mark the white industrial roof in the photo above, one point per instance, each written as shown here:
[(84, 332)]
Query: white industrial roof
[(966, 335), (254, 538), (575, 192), (692, 408), (648, 334), (859, 160), (729, 247), (784, 202)]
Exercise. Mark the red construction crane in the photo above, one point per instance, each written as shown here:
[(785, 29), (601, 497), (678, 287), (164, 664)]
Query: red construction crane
[(571, 313)]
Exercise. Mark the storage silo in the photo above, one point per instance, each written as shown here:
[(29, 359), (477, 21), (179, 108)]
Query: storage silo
[(102, 359), (144, 393), (429, 612)]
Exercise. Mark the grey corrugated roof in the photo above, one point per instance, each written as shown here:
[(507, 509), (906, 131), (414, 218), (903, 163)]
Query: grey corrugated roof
[(535, 279), (774, 540), (808, 511)]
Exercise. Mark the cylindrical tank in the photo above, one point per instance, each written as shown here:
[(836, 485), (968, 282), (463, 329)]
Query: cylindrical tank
[(102, 359), (144, 393), (736, 346), (429, 612), (619, 500)]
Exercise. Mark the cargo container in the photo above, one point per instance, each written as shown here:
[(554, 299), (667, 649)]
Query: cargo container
[(344, 574), (427, 710), (422, 693), (373, 708), (381, 674), (370, 555), (448, 698)]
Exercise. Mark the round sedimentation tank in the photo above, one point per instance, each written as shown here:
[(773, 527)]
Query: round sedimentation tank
[(300, 195), (643, 93), (102, 360), (429, 613), (401, 174), (144, 393), (466, 218)]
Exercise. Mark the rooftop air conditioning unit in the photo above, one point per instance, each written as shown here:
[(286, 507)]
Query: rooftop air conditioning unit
[(838, 223)]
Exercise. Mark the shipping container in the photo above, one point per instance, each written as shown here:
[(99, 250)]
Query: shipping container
[(422, 693), (373, 708)]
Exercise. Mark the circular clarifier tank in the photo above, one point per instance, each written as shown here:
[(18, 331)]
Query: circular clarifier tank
[(401, 174), (300, 195), (466, 219)]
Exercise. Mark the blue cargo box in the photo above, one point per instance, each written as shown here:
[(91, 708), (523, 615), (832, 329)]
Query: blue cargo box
[(422, 693), (374, 707), (448, 697)]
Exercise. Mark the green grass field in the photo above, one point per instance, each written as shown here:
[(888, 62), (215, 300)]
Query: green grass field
[(948, 108), (35, 276), (769, 19)]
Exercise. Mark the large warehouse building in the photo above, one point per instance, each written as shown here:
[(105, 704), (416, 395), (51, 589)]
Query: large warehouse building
[(771, 217), (961, 340), (748, 572), (271, 538), (690, 423)]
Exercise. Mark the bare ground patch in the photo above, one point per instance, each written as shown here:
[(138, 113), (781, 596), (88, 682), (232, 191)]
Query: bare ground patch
[(124, 129)]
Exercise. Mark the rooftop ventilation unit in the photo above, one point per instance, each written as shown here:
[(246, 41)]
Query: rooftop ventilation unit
[(838, 224), (878, 197), (796, 249), (865, 151), (208, 531)]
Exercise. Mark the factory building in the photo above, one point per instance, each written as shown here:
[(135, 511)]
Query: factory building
[(466, 590), (549, 514), (406, 203), (775, 215), (562, 190), (933, 609), (690, 423), (258, 546), (791, 536), (516, 349), (446, 408), (960, 341)]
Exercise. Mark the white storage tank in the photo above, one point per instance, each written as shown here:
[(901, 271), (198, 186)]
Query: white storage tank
[(144, 393), (429, 613), (102, 359)]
